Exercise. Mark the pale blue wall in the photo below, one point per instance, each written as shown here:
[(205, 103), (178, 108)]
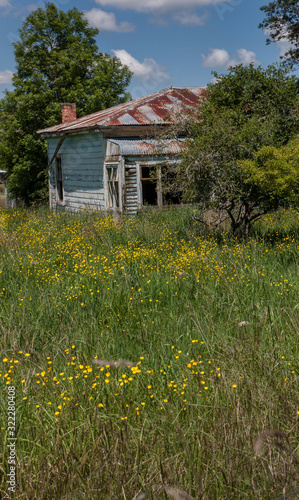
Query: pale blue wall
[(82, 166)]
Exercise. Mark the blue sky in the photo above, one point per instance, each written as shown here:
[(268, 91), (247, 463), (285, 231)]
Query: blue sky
[(164, 42)]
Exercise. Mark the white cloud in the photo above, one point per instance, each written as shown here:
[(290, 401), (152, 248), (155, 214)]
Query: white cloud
[(148, 69), (246, 57), (220, 58), (106, 21), (6, 76), (5, 3), (217, 58), (156, 5), (190, 19), (283, 44)]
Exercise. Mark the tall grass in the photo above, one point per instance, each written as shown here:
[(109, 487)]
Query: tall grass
[(2, 196), (209, 333)]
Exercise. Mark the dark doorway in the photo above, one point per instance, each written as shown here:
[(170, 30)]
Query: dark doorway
[(149, 186)]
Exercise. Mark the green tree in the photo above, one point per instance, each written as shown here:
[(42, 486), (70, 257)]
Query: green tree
[(282, 23), (275, 172), (246, 109), (57, 60)]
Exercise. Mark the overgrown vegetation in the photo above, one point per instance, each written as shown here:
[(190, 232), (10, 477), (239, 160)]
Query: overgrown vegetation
[(245, 110), (211, 327), (2, 196), (57, 61)]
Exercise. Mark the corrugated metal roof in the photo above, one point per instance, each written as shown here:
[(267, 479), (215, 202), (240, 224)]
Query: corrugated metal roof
[(158, 108), (148, 146)]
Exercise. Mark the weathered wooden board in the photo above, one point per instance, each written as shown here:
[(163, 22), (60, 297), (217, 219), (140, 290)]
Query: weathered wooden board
[(82, 171)]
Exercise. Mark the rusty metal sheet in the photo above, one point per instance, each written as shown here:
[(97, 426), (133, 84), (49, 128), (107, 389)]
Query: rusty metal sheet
[(143, 147), (158, 108)]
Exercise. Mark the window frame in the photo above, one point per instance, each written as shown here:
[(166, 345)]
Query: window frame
[(116, 191), (59, 184), (154, 179)]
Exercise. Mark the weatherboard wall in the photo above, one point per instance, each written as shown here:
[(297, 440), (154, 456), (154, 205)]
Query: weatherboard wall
[(82, 172)]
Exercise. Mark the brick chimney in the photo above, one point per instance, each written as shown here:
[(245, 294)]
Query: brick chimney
[(69, 113)]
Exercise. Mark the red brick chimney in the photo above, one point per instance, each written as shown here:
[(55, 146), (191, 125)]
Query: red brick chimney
[(69, 113)]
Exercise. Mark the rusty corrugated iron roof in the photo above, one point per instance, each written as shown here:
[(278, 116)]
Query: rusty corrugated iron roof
[(147, 146), (158, 108)]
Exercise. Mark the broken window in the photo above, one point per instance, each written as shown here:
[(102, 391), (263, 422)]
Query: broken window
[(59, 179), (149, 179), (156, 184), (113, 187)]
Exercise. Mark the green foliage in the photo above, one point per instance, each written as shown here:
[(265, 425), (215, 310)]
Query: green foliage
[(57, 60), (282, 23), (246, 109), (276, 171), (264, 100)]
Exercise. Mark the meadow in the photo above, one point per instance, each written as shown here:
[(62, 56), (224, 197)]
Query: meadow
[(206, 403), (2, 196)]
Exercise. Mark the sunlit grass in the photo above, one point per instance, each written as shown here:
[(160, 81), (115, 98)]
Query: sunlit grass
[(210, 329)]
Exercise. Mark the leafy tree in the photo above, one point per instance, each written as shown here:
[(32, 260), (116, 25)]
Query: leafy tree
[(282, 23), (275, 172), (57, 60), (246, 109)]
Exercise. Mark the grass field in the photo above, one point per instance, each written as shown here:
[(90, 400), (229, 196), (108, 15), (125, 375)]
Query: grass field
[(2, 196), (211, 327)]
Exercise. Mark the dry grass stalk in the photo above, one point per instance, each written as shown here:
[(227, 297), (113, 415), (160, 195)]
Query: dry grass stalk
[(288, 495), (140, 496), (174, 492), (281, 442), (114, 364)]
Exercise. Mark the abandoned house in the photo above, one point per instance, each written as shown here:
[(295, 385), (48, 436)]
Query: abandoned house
[(111, 160)]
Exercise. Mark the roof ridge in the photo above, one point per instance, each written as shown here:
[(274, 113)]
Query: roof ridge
[(134, 101)]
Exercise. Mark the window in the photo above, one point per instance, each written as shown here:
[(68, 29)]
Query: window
[(149, 186), (113, 187), (155, 185), (59, 179)]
